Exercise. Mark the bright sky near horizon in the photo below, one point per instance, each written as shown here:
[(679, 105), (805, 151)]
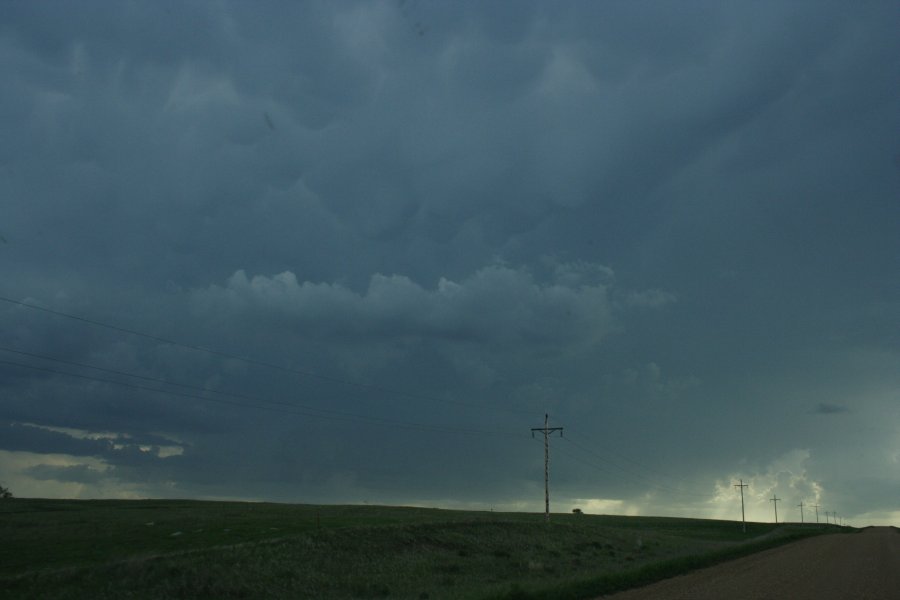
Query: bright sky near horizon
[(406, 230)]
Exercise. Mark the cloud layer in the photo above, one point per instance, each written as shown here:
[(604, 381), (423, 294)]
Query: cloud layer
[(497, 305), (671, 227)]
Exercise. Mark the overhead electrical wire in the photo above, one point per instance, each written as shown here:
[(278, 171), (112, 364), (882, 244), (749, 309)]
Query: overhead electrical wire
[(633, 478), (270, 365), (282, 407), (73, 363), (679, 481), (607, 451), (633, 475), (613, 469), (305, 410)]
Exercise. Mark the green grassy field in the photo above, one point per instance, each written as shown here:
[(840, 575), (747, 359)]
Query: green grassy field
[(191, 549)]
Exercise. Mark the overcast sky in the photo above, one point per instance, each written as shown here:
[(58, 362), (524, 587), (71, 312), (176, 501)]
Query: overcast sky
[(408, 230)]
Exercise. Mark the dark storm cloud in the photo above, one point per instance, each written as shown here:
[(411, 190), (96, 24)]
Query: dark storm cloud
[(78, 474), (30, 437), (496, 304), (18, 437), (823, 408), (653, 220)]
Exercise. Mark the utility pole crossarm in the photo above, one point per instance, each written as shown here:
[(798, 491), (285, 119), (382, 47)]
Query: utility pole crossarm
[(548, 430)]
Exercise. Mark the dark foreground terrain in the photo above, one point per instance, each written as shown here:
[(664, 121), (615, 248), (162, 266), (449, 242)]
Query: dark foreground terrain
[(189, 549)]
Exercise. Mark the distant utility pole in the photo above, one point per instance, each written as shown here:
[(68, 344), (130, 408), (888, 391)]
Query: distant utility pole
[(776, 501), (801, 510), (817, 512), (742, 485), (827, 522), (547, 432)]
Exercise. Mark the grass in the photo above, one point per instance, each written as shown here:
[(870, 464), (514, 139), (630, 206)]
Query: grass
[(187, 549)]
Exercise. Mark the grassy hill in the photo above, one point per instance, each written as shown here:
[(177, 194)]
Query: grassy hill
[(193, 549)]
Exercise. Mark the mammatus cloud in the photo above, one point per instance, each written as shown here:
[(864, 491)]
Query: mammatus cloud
[(826, 408), (651, 380), (650, 299), (497, 305)]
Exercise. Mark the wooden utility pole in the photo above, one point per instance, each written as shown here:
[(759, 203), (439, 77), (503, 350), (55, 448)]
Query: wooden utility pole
[(547, 431), (816, 506), (742, 485), (776, 501), (801, 510)]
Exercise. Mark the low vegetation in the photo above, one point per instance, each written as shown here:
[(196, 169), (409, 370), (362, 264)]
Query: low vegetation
[(183, 549)]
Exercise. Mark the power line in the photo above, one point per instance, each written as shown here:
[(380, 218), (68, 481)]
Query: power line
[(124, 373), (161, 381), (584, 461), (262, 363), (167, 382), (635, 476), (593, 465), (290, 408), (655, 472), (579, 458), (627, 475)]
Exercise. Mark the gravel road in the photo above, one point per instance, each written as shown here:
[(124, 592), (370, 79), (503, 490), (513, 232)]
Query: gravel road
[(861, 566)]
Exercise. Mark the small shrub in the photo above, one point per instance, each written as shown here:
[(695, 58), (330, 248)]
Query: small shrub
[(451, 568), (516, 593), (371, 590)]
